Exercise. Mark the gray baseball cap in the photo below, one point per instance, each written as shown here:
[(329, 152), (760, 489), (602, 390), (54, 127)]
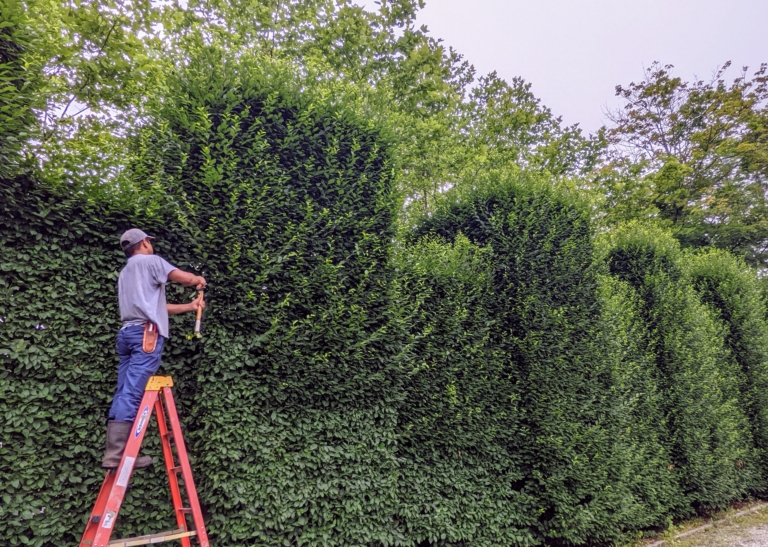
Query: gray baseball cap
[(132, 237)]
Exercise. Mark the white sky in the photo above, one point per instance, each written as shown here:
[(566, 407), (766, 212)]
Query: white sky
[(574, 52)]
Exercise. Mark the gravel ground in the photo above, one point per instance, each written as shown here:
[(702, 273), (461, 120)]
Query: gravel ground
[(728, 537), (757, 537), (747, 531)]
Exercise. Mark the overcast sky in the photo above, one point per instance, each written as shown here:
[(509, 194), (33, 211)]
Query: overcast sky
[(574, 52)]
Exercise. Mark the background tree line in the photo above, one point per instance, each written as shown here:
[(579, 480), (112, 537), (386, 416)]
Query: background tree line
[(692, 156)]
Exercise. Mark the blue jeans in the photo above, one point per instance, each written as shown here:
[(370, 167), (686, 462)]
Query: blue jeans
[(134, 370)]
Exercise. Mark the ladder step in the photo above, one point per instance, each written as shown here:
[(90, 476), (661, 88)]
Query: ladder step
[(186, 510), (176, 469), (152, 538)]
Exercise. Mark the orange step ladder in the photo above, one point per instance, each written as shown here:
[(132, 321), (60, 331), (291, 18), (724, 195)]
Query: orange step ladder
[(157, 397)]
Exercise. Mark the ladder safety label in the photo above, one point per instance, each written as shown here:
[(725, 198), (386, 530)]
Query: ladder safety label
[(109, 518), (142, 421), (125, 471)]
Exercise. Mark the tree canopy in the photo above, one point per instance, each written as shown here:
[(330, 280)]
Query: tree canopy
[(694, 155), (691, 156)]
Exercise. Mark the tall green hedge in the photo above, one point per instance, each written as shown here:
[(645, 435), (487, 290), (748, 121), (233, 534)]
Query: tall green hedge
[(707, 431), (286, 202), (611, 359), (58, 319), (546, 309), (641, 459), (496, 377), (731, 291), (282, 202), (458, 476)]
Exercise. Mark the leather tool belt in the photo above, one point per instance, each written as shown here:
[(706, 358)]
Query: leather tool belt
[(150, 337)]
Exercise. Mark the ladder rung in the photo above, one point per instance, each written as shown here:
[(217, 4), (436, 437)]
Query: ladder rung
[(176, 469), (152, 538), (185, 510)]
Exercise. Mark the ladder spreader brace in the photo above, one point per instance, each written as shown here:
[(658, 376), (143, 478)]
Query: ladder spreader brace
[(157, 397)]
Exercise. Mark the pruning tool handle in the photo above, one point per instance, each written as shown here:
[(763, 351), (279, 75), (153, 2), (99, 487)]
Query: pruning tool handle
[(199, 318)]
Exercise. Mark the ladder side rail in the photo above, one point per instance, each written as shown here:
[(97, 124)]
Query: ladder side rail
[(98, 509), (173, 477), (186, 469), (124, 470)]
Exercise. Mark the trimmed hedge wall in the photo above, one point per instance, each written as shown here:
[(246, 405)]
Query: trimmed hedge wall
[(640, 454), (58, 313), (731, 291), (287, 202), (653, 401), (290, 398), (545, 309), (707, 431), (499, 377), (458, 476)]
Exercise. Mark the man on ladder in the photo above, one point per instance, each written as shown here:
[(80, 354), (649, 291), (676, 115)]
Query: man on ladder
[(139, 395), (144, 313)]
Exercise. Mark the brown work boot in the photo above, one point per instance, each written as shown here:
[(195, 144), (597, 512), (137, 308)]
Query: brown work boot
[(117, 438)]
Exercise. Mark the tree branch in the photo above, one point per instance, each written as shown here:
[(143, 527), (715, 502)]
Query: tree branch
[(88, 77)]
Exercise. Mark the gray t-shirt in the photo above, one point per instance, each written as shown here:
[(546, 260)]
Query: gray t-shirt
[(141, 291)]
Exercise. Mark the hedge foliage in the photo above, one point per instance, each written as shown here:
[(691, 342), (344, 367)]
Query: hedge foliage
[(459, 473), (499, 376), (58, 269), (290, 398), (640, 452), (656, 399), (730, 290), (706, 428), (287, 202), (545, 308)]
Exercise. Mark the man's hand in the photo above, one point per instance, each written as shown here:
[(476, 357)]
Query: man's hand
[(200, 284), (176, 309), (198, 302)]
